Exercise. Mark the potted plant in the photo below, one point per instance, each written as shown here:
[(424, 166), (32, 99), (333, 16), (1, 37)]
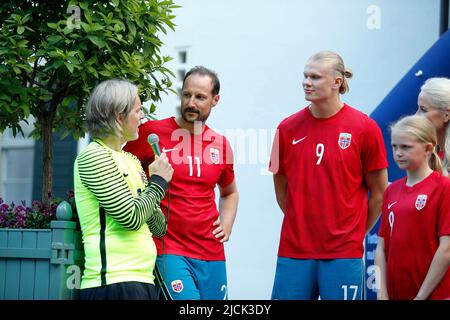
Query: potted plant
[(41, 253)]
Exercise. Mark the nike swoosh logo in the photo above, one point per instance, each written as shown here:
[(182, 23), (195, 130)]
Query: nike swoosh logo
[(297, 141), (391, 204), (168, 150)]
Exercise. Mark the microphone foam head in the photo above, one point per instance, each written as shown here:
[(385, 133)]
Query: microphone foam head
[(153, 138)]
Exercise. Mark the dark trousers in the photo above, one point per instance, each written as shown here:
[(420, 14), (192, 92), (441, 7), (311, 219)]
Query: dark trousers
[(121, 291)]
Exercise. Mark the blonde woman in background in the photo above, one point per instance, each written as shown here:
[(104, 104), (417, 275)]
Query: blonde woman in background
[(434, 103)]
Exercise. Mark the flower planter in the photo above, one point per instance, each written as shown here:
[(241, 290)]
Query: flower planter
[(41, 264)]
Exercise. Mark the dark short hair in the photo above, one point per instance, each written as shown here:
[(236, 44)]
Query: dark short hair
[(205, 72)]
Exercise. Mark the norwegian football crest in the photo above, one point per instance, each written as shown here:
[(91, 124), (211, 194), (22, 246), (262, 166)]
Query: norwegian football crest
[(214, 153), (345, 139), (177, 286), (421, 201)]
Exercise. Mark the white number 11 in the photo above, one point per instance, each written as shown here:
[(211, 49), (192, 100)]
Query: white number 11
[(191, 169)]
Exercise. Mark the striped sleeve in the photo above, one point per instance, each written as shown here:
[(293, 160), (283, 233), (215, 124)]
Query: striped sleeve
[(157, 223), (100, 175)]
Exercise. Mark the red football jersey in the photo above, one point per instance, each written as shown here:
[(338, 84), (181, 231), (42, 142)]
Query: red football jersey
[(199, 162), (324, 161), (413, 219)]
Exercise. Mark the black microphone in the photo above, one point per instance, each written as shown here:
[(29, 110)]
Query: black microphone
[(153, 141)]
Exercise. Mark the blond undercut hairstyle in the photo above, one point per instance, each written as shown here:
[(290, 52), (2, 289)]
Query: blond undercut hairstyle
[(337, 64), (424, 131)]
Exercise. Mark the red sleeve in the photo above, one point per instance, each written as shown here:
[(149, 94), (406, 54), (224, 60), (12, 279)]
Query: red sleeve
[(227, 175), (384, 230), (444, 210), (276, 155), (140, 147), (373, 150)]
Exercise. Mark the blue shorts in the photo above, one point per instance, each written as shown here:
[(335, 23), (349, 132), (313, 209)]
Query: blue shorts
[(329, 279), (193, 279)]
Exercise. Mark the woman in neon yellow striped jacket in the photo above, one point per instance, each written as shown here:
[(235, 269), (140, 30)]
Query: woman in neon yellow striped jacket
[(118, 208)]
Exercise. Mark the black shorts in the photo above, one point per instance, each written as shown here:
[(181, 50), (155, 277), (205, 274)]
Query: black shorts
[(121, 291)]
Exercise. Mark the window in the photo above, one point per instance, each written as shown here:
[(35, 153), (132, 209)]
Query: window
[(181, 73), (182, 55), (16, 166)]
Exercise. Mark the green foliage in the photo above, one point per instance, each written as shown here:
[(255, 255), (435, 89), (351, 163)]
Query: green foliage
[(51, 58), (53, 53)]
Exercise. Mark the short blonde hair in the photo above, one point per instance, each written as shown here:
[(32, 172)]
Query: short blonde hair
[(338, 66), (109, 99)]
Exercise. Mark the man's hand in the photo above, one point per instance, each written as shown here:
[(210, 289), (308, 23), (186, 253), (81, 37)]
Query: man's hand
[(221, 231)]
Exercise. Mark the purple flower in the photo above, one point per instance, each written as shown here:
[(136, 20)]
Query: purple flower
[(36, 205), (19, 209), (38, 216), (70, 193), (20, 221), (45, 212), (4, 208)]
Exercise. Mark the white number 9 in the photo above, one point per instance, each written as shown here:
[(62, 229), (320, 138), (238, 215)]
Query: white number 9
[(320, 149)]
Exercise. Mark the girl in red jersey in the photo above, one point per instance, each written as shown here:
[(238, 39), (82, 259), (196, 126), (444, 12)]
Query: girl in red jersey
[(413, 251)]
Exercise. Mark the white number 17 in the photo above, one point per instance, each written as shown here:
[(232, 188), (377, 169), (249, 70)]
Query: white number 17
[(346, 291)]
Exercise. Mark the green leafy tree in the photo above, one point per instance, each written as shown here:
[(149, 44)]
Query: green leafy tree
[(53, 53)]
